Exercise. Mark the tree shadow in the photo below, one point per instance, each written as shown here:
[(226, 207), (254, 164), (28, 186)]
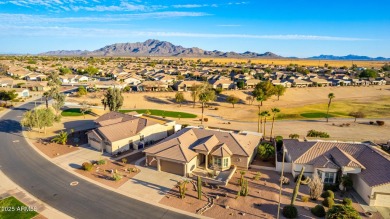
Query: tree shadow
[(10, 126), (156, 100)]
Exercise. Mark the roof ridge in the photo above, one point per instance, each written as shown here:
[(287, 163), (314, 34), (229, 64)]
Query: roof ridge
[(351, 158), (239, 144), (307, 151)]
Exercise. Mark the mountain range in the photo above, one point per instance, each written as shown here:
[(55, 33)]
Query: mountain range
[(158, 48)]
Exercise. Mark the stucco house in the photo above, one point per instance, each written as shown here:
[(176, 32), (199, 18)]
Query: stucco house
[(367, 167), (190, 148), (117, 132), (21, 92)]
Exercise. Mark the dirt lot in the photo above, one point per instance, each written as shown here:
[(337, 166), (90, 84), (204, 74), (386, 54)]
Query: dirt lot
[(261, 202), (102, 173), (243, 116)]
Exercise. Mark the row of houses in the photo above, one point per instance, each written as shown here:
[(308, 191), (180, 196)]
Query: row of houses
[(171, 149)]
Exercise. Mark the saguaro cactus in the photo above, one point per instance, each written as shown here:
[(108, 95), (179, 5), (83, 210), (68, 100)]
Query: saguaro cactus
[(296, 189), (199, 184)]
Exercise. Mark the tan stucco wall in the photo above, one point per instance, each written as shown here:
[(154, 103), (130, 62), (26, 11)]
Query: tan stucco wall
[(191, 165), (362, 188), (384, 192), (94, 144), (152, 133), (240, 161)]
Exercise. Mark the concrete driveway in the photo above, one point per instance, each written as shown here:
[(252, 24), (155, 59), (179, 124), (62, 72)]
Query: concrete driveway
[(149, 183)]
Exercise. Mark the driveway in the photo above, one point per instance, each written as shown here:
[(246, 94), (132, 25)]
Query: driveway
[(149, 183)]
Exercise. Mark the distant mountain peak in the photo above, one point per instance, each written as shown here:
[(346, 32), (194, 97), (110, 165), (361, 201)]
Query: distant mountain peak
[(153, 47)]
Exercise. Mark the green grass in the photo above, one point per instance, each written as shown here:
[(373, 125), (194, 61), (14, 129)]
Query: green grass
[(315, 115), (171, 114), (72, 112), (11, 208)]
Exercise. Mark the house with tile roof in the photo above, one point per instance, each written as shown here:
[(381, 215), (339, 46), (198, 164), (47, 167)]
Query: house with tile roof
[(190, 148), (117, 132), (367, 167)]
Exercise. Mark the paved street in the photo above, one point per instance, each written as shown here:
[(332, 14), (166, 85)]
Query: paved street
[(50, 184)]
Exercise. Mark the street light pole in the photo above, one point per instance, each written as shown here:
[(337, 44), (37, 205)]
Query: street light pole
[(281, 183)]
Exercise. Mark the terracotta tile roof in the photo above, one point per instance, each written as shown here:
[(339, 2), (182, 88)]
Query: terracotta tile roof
[(375, 165)]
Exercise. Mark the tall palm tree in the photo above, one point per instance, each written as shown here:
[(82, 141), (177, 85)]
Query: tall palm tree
[(274, 111), (265, 114), (259, 99), (330, 97)]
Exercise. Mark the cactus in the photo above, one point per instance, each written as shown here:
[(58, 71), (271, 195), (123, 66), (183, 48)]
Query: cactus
[(182, 185), (296, 189), (244, 191), (241, 180), (199, 182)]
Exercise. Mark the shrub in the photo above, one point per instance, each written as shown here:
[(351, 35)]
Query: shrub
[(316, 187), (332, 187), (371, 123), (328, 202), (347, 182), (101, 162), (380, 123), (257, 176), (206, 119), (305, 198), (328, 194), (347, 201), (266, 151), (314, 133), (293, 136), (87, 166), (124, 160), (184, 125), (116, 177), (290, 211), (342, 211), (216, 108), (318, 211)]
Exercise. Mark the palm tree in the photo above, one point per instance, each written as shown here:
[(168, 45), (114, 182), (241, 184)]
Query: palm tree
[(330, 96), (259, 99), (274, 111), (265, 114), (61, 138)]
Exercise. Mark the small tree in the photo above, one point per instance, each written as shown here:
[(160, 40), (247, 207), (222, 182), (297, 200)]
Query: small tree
[(59, 102), (266, 151), (232, 99), (347, 182), (113, 99), (316, 186), (280, 90), (179, 98), (84, 108), (249, 99), (61, 138), (82, 91), (357, 115), (182, 186)]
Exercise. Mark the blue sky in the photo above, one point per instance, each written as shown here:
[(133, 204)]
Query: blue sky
[(300, 28)]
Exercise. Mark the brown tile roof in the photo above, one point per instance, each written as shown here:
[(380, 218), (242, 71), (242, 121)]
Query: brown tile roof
[(222, 151), (375, 165), (115, 126), (189, 139)]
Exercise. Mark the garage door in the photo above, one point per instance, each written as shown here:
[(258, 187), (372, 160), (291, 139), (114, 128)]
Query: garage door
[(172, 167), (382, 200)]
